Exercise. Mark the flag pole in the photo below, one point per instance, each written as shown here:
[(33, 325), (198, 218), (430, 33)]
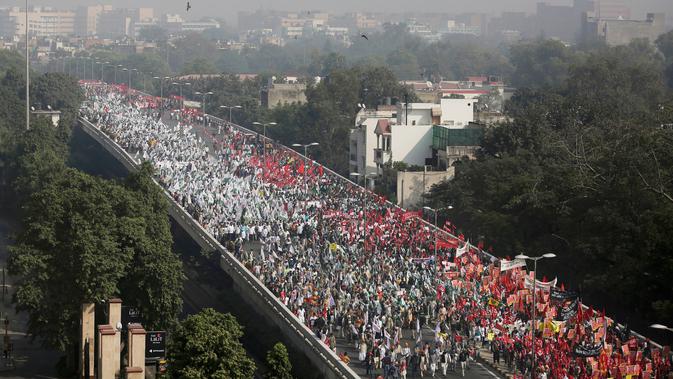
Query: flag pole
[(27, 74)]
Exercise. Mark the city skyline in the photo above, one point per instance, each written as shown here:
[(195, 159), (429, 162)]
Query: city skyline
[(228, 10)]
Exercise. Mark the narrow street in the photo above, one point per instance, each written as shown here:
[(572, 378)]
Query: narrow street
[(29, 359)]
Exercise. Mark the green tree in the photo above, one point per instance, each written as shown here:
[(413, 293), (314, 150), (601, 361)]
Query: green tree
[(665, 45), (86, 239), (153, 282), (232, 62), (73, 248), (152, 33), (582, 170), (199, 66), (59, 91), (190, 47), (404, 64), (278, 362), (10, 59), (206, 345), (540, 63)]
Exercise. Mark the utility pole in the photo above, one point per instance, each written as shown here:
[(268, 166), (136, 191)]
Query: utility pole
[(27, 74)]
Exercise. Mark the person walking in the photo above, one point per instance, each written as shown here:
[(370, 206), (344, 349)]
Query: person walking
[(462, 357)]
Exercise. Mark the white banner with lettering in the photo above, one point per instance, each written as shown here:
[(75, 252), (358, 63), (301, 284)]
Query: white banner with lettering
[(539, 284), (508, 265)]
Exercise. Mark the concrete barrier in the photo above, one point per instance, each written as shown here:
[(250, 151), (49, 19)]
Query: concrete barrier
[(245, 283)]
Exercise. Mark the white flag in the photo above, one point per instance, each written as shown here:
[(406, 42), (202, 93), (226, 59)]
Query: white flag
[(462, 250), (508, 265)]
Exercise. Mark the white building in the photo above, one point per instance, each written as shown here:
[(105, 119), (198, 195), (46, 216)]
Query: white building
[(403, 133), (363, 138), (42, 22), (200, 26)]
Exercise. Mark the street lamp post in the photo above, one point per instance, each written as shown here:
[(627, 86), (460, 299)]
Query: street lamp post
[(161, 90), (27, 73), (357, 175), (117, 67), (131, 71), (661, 327), (435, 211), (204, 104), (305, 157), (231, 107), (182, 99), (533, 320), (102, 71), (264, 125)]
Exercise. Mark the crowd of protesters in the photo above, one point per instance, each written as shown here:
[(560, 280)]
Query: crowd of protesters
[(409, 298)]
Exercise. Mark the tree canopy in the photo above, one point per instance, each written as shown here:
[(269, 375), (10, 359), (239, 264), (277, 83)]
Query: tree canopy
[(206, 345), (86, 239), (583, 170), (82, 238), (278, 362)]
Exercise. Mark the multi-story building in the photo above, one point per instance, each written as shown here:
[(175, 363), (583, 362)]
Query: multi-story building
[(362, 137), (612, 9), (620, 32), (42, 22), (277, 94), (453, 27), (402, 132), (199, 26), (116, 23), (172, 23), (86, 19)]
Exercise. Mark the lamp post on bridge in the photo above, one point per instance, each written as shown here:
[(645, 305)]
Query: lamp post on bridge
[(204, 104), (117, 67), (161, 91), (364, 189), (435, 211), (182, 99), (102, 70), (231, 107), (533, 320), (264, 125), (305, 161)]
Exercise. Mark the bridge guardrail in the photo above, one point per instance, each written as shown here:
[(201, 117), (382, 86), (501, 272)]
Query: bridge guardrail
[(336, 368)]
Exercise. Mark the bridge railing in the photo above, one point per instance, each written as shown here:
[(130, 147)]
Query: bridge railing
[(433, 227), (436, 229), (278, 311)]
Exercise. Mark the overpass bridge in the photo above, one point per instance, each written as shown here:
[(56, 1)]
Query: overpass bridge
[(245, 283)]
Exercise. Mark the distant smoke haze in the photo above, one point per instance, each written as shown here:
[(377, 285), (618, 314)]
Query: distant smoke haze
[(228, 9)]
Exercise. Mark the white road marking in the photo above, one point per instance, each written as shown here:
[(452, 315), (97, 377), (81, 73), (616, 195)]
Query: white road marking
[(489, 371)]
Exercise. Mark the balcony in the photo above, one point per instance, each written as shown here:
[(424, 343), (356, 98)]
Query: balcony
[(382, 156)]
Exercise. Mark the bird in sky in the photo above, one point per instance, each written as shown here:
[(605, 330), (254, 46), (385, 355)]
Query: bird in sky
[(189, 6), (365, 37)]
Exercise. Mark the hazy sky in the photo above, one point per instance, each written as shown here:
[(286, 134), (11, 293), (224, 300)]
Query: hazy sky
[(228, 8)]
